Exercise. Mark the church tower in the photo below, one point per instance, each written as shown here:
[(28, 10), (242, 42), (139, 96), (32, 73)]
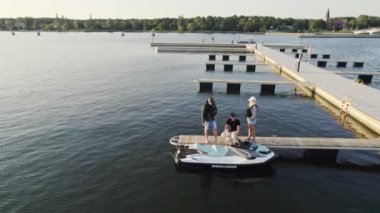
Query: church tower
[(327, 17)]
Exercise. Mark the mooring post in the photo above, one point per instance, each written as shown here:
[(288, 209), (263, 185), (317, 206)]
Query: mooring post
[(299, 62)]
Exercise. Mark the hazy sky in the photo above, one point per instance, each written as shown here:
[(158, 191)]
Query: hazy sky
[(189, 8)]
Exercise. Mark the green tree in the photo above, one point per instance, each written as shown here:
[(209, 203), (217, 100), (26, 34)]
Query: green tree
[(181, 24), (110, 24), (362, 22), (317, 25), (192, 27)]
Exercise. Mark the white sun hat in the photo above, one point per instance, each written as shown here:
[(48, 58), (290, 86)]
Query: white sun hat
[(252, 99)]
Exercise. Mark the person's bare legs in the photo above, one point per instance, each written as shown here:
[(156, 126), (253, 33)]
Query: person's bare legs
[(250, 130), (206, 135), (254, 133), (216, 135)]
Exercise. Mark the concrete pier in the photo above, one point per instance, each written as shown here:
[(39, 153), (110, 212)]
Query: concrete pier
[(335, 89)]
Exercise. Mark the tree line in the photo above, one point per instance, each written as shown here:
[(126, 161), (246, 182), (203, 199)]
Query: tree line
[(197, 24)]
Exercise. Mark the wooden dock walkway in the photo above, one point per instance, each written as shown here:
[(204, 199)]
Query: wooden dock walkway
[(202, 49), (337, 35), (356, 72), (285, 46), (365, 100), (241, 81), (295, 142), (202, 45), (233, 86), (236, 62)]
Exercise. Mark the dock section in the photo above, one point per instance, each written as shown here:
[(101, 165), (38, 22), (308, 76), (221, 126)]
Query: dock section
[(295, 142), (200, 48), (233, 86), (364, 100)]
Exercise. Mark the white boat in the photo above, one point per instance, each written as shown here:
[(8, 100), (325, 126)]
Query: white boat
[(218, 156)]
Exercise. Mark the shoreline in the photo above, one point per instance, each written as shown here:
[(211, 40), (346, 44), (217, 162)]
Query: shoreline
[(204, 32)]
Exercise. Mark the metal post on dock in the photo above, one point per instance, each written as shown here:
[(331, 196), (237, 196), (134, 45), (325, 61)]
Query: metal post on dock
[(153, 35), (299, 61)]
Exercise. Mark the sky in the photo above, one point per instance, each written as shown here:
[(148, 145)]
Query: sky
[(124, 9)]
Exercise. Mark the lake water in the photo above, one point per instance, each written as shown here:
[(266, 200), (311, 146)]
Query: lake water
[(85, 120)]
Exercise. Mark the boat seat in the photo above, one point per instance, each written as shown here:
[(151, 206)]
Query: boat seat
[(212, 150), (241, 153)]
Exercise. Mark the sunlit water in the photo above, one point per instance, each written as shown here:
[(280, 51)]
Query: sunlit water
[(85, 120)]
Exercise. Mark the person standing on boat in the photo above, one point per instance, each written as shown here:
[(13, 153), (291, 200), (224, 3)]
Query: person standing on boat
[(208, 113), (251, 116), (232, 128)]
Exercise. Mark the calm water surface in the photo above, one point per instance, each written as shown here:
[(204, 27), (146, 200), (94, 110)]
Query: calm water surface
[(85, 120)]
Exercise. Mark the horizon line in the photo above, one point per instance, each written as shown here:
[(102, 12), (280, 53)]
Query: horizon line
[(91, 17)]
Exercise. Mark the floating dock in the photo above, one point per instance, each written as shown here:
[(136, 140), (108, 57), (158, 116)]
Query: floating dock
[(233, 86), (200, 48), (364, 100), (294, 142), (337, 35)]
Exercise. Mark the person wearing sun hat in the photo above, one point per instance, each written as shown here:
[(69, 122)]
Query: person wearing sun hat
[(251, 116)]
